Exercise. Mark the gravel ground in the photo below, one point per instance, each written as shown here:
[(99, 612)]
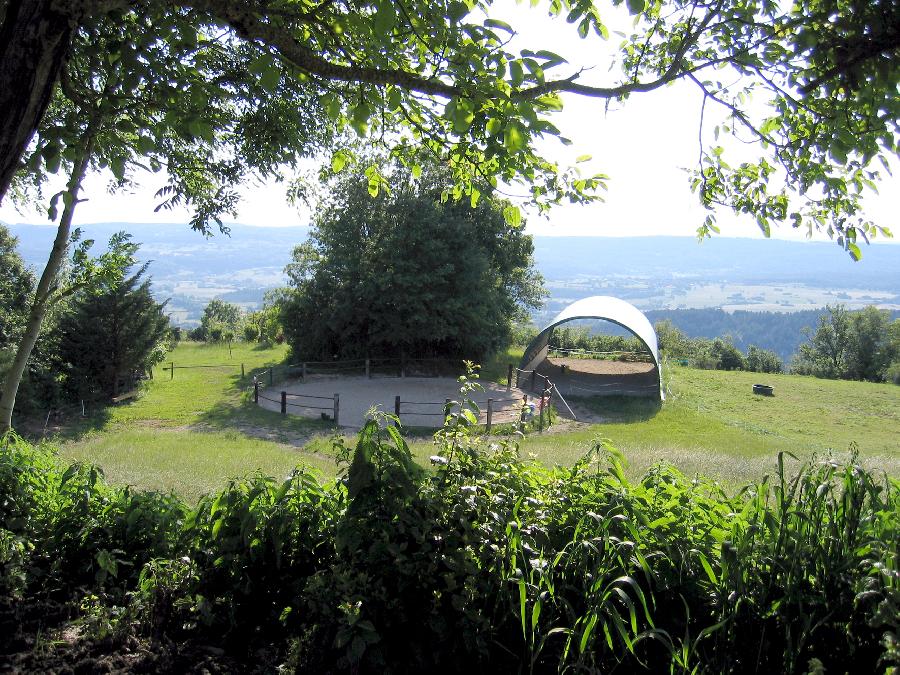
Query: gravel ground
[(422, 398)]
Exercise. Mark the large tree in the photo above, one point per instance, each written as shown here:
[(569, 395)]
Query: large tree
[(439, 74), (849, 345), (130, 100), (406, 273)]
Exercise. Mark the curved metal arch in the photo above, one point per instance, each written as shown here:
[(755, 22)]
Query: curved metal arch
[(606, 308)]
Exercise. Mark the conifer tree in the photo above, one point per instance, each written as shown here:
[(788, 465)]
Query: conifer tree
[(115, 331)]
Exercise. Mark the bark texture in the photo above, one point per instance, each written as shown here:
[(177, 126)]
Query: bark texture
[(34, 41), (43, 294)]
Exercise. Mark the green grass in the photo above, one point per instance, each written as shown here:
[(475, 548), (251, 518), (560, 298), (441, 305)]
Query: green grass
[(190, 463), (194, 431), (712, 423)]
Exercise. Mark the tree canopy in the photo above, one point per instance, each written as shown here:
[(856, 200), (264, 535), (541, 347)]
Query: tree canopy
[(407, 273), (860, 345), (113, 332), (444, 76)]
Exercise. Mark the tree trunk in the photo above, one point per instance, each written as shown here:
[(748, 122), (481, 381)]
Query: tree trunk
[(45, 289), (34, 40)]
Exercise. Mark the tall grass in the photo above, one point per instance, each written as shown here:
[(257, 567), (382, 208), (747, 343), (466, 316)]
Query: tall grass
[(486, 562)]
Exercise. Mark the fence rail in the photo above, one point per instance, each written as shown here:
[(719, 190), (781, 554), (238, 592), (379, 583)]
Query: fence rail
[(634, 356)]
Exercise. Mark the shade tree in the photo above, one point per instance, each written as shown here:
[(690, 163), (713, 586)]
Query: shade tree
[(446, 77), (407, 273)]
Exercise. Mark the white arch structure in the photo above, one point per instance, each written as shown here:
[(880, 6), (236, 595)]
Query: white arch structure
[(606, 308)]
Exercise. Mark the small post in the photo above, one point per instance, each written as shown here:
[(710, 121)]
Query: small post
[(255, 391), (533, 373), (397, 406), (151, 374), (242, 371), (522, 413), (171, 370), (509, 377), (303, 370), (490, 413), (337, 408), (402, 366), (284, 403), (541, 409), (368, 371), (271, 376), (446, 408)]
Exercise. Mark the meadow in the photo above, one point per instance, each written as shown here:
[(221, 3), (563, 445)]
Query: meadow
[(192, 432)]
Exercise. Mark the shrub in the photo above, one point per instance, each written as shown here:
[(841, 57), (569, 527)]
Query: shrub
[(763, 361), (486, 562)]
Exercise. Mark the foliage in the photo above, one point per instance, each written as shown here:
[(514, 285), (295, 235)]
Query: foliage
[(484, 562), (114, 332), (219, 318), (266, 321), (16, 286), (850, 345), (407, 272), (761, 360), (581, 338), (445, 78)]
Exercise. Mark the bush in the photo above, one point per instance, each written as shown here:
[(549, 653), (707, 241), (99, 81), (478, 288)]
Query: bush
[(763, 361), (485, 563)]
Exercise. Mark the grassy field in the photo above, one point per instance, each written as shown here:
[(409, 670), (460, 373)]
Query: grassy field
[(190, 432), (194, 431)]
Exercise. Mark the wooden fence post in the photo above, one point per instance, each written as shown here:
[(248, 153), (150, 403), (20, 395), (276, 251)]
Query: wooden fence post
[(303, 371), (271, 376), (171, 370), (337, 408), (242, 371), (541, 408), (397, 406), (255, 391), (368, 371), (490, 412), (284, 403), (509, 377)]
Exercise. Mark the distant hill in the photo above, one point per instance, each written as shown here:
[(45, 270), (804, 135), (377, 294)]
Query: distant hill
[(665, 274)]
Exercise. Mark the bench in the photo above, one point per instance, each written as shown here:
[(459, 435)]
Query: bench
[(125, 396)]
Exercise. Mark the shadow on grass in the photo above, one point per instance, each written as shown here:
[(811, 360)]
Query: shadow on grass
[(65, 423), (244, 416), (617, 408)]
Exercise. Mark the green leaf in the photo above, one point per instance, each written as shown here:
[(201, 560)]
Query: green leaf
[(270, 78), (338, 161), (502, 25), (385, 17), (514, 137), (517, 74), (636, 6), (512, 215), (854, 250)]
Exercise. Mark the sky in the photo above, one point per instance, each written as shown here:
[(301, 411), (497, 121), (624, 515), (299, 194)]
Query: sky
[(644, 145)]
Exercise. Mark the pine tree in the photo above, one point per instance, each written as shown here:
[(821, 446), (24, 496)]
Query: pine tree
[(114, 332)]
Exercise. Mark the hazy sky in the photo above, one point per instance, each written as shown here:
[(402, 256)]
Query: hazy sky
[(644, 145)]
